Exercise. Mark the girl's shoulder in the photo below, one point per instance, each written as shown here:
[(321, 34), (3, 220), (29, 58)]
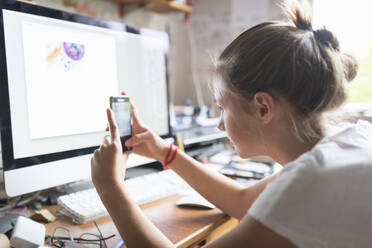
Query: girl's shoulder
[(322, 195), (348, 148), (355, 135)]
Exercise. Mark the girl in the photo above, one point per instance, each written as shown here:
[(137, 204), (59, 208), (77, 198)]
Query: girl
[(275, 83)]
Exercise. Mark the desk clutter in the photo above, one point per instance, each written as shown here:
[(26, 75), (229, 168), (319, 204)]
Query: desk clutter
[(254, 168), (19, 231), (26, 233), (248, 169), (22, 225)]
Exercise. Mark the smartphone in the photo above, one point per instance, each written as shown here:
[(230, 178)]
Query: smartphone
[(121, 107)]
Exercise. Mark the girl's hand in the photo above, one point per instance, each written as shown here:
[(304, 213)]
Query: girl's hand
[(108, 163), (144, 141)]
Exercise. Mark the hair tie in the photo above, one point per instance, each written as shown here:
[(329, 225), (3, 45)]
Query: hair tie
[(326, 37)]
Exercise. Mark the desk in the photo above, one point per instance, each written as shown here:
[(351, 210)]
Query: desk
[(184, 227)]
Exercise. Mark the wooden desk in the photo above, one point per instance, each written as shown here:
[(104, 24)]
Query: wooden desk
[(184, 227)]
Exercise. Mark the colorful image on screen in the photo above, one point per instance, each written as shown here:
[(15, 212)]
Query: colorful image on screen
[(65, 53)]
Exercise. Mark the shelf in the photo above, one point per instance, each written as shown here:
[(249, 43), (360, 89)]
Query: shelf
[(160, 5)]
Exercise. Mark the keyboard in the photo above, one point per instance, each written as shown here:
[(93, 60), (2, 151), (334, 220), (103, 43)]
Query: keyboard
[(86, 205)]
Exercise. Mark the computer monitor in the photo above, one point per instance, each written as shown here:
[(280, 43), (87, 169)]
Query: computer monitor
[(57, 71)]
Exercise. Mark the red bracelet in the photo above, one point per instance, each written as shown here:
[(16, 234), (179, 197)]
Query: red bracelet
[(165, 166), (167, 161), (173, 156)]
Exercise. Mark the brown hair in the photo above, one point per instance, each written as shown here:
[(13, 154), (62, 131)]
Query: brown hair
[(291, 61)]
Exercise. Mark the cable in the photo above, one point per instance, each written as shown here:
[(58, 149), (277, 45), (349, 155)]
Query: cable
[(58, 240), (100, 233), (92, 242), (80, 239)]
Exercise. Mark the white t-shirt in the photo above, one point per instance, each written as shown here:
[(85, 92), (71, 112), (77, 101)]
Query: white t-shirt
[(324, 197)]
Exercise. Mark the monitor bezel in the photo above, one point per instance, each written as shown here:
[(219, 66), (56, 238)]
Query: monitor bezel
[(9, 162)]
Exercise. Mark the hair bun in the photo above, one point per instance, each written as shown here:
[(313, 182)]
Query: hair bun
[(327, 38), (351, 66)]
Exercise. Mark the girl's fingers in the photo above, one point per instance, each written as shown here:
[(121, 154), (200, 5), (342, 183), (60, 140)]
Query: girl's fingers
[(113, 126), (138, 139)]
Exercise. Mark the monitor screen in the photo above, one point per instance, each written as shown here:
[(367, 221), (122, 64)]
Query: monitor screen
[(58, 71)]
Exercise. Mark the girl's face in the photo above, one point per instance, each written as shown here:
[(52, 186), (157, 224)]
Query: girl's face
[(239, 124)]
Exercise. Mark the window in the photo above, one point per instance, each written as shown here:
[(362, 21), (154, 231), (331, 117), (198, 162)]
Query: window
[(351, 22)]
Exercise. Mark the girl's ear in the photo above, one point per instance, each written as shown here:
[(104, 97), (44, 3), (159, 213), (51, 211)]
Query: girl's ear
[(264, 107)]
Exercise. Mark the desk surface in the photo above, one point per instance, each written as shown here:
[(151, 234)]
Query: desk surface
[(181, 225)]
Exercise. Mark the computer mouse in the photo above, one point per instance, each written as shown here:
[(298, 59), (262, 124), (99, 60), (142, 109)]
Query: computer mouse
[(194, 201)]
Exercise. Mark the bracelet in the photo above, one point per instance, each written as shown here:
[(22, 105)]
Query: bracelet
[(167, 161), (173, 156), (165, 166)]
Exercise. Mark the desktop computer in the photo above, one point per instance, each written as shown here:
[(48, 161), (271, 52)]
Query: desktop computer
[(57, 71)]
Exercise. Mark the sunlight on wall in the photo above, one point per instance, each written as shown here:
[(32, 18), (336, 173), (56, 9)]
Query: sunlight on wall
[(351, 21)]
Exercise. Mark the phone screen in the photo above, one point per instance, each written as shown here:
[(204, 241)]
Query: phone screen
[(121, 108)]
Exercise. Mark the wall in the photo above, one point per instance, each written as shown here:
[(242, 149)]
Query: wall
[(214, 24)]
